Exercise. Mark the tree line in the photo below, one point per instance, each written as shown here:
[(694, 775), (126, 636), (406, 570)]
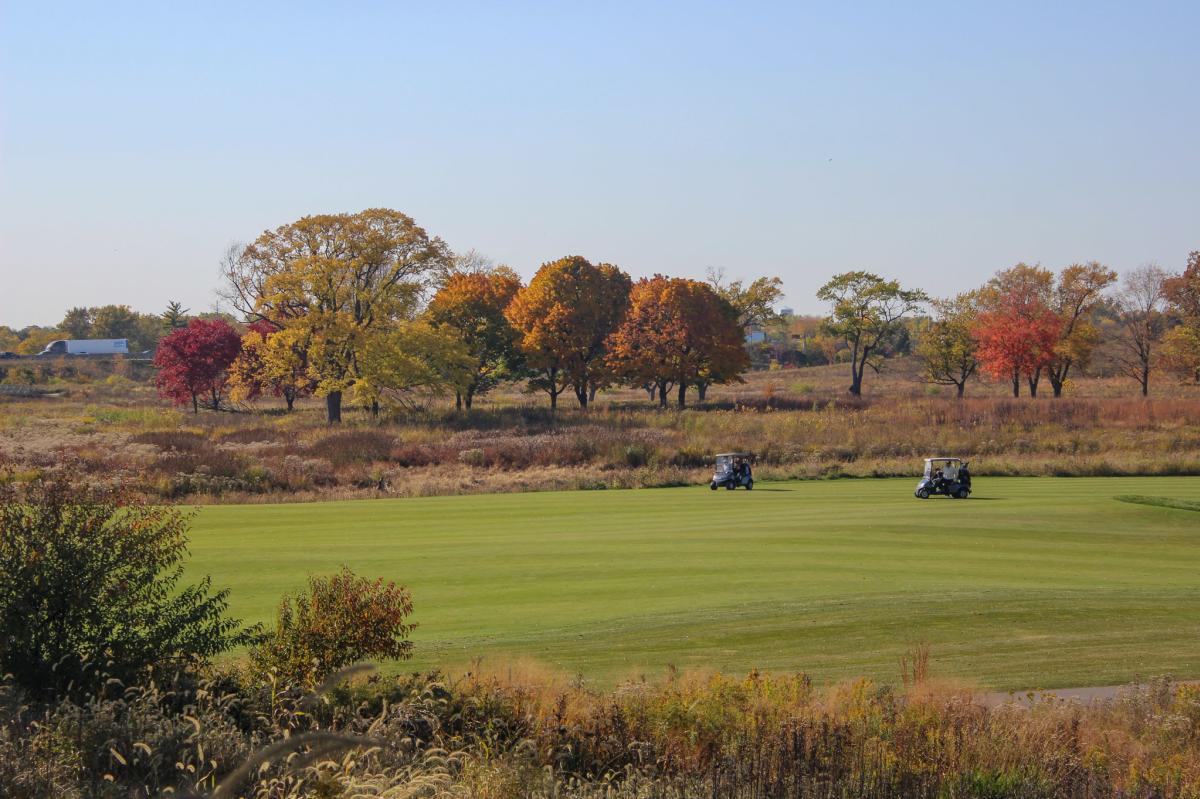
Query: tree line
[(369, 307)]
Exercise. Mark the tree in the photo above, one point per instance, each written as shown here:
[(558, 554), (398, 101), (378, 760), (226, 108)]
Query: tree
[(676, 333), (35, 339), (1011, 292), (409, 359), (90, 587), (947, 348), (342, 619), (194, 362), (472, 304), (175, 316), (867, 313), (1142, 322), (565, 316), (1077, 291), (1016, 336), (77, 323), (333, 281), (754, 303), (1181, 345), (268, 364)]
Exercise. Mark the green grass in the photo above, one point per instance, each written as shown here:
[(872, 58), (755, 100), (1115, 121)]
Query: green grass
[(1032, 583)]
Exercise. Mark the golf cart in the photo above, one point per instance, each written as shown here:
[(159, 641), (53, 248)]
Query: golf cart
[(947, 476), (732, 469)]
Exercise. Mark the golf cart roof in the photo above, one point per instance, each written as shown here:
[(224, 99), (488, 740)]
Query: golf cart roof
[(936, 460), (733, 455)]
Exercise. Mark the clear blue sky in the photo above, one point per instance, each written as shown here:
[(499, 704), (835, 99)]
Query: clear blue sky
[(934, 143)]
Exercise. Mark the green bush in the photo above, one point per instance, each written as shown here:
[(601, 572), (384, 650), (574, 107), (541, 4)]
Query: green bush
[(89, 583)]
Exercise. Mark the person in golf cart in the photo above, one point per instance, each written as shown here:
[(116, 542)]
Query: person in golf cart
[(732, 469), (950, 477)]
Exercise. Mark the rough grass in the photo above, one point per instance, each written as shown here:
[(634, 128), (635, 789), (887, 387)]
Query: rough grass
[(1032, 583), (1160, 502)]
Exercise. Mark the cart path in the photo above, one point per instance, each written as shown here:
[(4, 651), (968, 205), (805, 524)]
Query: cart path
[(1084, 696)]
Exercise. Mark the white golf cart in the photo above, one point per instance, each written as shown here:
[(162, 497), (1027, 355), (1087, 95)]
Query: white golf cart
[(946, 476)]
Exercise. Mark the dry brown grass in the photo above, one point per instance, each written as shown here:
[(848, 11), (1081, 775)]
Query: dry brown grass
[(799, 422)]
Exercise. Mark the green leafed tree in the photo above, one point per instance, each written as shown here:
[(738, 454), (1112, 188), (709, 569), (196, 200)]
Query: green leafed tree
[(946, 347), (867, 313)]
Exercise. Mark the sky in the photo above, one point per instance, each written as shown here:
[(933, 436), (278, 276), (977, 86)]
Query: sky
[(934, 143)]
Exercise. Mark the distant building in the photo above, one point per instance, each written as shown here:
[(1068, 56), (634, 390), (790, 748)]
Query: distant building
[(786, 312)]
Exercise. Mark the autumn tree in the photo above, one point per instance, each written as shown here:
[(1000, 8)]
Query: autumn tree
[(1076, 292), (1181, 345), (676, 333), (1141, 322), (268, 364), (1016, 329), (564, 317), (342, 619), (947, 348), (334, 282), (193, 363), (472, 304), (409, 360), (867, 314)]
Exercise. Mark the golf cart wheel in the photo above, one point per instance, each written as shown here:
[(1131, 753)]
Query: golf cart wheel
[(730, 486), (922, 493), (713, 486), (749, 485)]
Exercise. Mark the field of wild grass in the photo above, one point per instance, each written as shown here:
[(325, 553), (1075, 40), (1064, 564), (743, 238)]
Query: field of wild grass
[(800, 424), (519, 732)]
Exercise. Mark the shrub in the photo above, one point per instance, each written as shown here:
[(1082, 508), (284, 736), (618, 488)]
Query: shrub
[(341, 620), (90, 580)]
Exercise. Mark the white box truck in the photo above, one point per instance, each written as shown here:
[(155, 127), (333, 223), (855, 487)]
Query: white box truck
[(87, 346)]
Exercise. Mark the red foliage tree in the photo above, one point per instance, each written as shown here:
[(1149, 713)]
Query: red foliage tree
[(1017, 336), (193, 362)]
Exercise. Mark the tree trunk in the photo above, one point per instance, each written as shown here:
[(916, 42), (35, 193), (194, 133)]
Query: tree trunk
[(702, 389), (652, 390), (856, 380), (195, 404), (962, 387), (592, 393), (469, 398), (662, 395), (290, 398), (581, 394), (1033, 386), (458, 400), (553, 399), (333, 407), (1145, 381), (682, 393), (1016, 383), (374, 409)]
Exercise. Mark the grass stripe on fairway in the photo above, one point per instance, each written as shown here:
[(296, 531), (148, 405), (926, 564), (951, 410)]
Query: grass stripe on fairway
[(1034, 582)]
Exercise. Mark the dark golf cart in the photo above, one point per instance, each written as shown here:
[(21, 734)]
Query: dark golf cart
[(947, 476), (731, 470)]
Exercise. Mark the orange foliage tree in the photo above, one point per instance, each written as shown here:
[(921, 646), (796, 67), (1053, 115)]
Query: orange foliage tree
[(1017, 331), (565, 316), (677, 333), (472, 304)]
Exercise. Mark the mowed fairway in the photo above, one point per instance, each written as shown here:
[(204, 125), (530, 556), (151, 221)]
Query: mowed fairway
[(1032, 583)]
